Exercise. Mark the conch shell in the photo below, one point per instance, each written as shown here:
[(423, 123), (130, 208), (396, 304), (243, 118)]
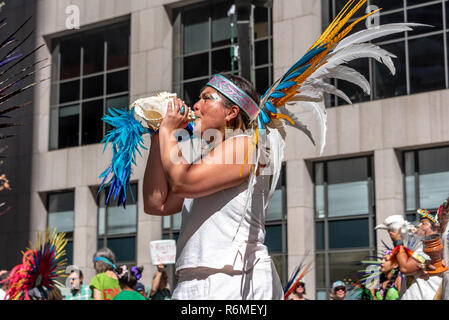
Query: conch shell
[(152, 109)]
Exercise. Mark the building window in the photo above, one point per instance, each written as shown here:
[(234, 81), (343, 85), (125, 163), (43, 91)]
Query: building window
[(344, 219), (117, 227), (276, 228), (202, 47), (422, 62), (90, 74), (61, 208), (426, 179)]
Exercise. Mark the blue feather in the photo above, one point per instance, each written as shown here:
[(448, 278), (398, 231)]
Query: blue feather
[(270, 107), (285, 85), (297, 73), (277, 95), (265, 118), (126, 139), (306, 58)]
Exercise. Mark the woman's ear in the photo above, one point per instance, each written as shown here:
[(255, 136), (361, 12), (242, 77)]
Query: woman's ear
[(232, 113)]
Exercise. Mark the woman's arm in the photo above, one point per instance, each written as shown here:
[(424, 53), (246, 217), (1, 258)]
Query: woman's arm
[(157, 198), (96, 294), (219, 170), (156, 280), (213, 174)]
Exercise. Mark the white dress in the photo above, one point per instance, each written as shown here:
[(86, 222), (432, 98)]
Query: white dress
[(217, 259)]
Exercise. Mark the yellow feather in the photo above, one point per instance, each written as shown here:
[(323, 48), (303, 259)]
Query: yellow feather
[(350, 27), (333, 24)]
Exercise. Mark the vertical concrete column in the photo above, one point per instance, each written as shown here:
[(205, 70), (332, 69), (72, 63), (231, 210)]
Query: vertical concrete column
[(300, 218), (296, 26), (389, 188), (85, 233)]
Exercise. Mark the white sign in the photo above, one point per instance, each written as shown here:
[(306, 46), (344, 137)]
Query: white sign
[(163, 252)]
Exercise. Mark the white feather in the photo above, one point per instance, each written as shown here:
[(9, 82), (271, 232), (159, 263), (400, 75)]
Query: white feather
[(298, 124), (375, 33), (319, 110), (362, 50), (343, 73), (318, 86)]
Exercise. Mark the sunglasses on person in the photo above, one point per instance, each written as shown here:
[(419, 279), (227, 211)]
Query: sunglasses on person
[(340, 288)]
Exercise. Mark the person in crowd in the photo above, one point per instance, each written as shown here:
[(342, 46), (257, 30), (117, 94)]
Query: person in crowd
[(78, 290), (160, 289), (420, 285), (127, 279), (104, 285), (299, 292), (338, 291), (389, 285), (443, 214), (140, 288), (4, 274)]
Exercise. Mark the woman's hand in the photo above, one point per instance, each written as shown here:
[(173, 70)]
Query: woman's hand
[(173, 118)]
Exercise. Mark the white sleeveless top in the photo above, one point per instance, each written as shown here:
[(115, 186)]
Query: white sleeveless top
[(210, 223)]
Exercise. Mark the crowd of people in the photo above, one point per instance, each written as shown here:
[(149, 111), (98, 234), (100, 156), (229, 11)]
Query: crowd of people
[(403, 271), (111, 282)]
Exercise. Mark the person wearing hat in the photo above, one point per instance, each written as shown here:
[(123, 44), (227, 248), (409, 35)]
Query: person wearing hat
[(140, 288), (419, 286), (338, 291), (299, 291)]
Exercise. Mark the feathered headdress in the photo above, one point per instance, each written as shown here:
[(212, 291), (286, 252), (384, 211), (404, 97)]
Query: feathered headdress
[(305, 80), (433, 218), (300, 271), (40, 268), (13, 82)]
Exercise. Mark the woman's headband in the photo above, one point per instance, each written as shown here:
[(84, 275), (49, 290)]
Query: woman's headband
[(105, 260), (235, 94)]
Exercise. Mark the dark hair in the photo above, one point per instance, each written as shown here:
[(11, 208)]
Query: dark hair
[(80, 273), (390, 283), (129, 277), (101, 266), (242, 120), (302, 284)]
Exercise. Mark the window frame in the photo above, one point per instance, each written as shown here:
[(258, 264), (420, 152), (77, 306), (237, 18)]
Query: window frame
[(104, 237), (412, 215), (56, 82), (371, 216), (329, 11), (70, 236), (178, 57)]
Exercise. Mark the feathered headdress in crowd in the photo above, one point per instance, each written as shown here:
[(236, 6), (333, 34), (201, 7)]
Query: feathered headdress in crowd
[(41, 266), (304, 81), (433, 218), (369, 274), (298, 275), (13, 80)]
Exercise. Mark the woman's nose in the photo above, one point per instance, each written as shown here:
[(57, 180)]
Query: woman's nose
[(196, 106)]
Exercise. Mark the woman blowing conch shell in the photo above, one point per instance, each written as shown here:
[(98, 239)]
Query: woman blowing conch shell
[(153, 109)]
